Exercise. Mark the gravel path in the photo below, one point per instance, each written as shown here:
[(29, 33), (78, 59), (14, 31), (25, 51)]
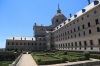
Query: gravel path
[(26, 60)]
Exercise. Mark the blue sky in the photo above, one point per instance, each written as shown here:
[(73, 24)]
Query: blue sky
[(17, 17)]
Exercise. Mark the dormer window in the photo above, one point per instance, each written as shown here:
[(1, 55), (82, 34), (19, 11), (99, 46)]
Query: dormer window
[(96, 2), (75, 16), (60, 25), (69, 19), (64, 23), (83, 10)]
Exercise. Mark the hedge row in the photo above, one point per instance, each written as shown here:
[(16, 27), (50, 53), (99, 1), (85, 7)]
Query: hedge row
[(8, 56), (54, 61), (95, 56)]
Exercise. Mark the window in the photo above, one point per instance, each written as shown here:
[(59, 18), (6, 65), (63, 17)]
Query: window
[(95, 12), (40, 43), (72, 44), (20, 43), (70, 31), (96, 21), (24, 43), (75, 43), (91, 42), (25, 38), (91, 48), (32, 43), (68, 44), (8, 43), (16, 43), (35, 43), (75, 35), (84, 33), (12, 43), (65, 33), (89, 31), (88, 15), (74, 30), (77, 20), (85, 43), (78, 28), (99, 41), (83, 26), (62, 19), (71, 36), (85, 48), (79, 34), (56, 20), (98, 29), (73, 22), (32, 38), (88, 24), (82, 18), (80, 43), (68, 37)]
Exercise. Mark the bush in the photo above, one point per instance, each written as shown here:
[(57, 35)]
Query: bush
[(81, 58), (46, 62), (95, 56), (64, 58), (87, 55), (38, 60), (65, 53)]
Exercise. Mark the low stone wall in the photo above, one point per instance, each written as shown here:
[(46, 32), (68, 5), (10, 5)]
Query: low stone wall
[(16, 61), (89, 63)]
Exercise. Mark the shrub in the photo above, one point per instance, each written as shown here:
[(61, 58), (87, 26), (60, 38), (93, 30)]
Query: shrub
[(87, 55), (38, 60), (64, 58), (65, 53), (81, 58), (95, 56)]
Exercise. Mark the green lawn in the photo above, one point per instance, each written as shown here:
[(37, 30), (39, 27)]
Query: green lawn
[(5, 63)]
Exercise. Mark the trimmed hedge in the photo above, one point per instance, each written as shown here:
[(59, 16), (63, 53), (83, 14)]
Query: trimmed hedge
[(95, 56), (54, 61)]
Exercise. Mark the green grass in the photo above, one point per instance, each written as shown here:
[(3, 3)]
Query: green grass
[(5, 63)]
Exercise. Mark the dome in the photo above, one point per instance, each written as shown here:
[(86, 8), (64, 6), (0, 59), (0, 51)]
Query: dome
[(58, 14)]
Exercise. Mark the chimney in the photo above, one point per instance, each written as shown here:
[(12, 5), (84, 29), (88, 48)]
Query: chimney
[(13, 38), (70, 15), (88, 2), (41, 25), (35, 24)]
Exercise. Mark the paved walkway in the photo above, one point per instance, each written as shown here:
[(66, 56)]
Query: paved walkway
[(26, 60)]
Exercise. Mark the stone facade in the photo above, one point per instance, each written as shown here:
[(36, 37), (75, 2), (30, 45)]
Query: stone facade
[(78, 33)]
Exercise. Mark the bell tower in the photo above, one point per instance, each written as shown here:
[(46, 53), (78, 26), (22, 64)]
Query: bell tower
[(58, 18)]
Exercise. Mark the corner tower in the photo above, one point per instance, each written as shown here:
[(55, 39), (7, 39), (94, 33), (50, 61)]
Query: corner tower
[(58, 18)]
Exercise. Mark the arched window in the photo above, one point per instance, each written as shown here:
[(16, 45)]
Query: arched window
[(56, 20)]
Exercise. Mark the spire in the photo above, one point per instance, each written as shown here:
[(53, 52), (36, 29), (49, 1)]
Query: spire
[(58, 11), (58, 6), (88, 2)]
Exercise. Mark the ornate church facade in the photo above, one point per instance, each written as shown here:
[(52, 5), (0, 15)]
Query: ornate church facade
[(80, 32)]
